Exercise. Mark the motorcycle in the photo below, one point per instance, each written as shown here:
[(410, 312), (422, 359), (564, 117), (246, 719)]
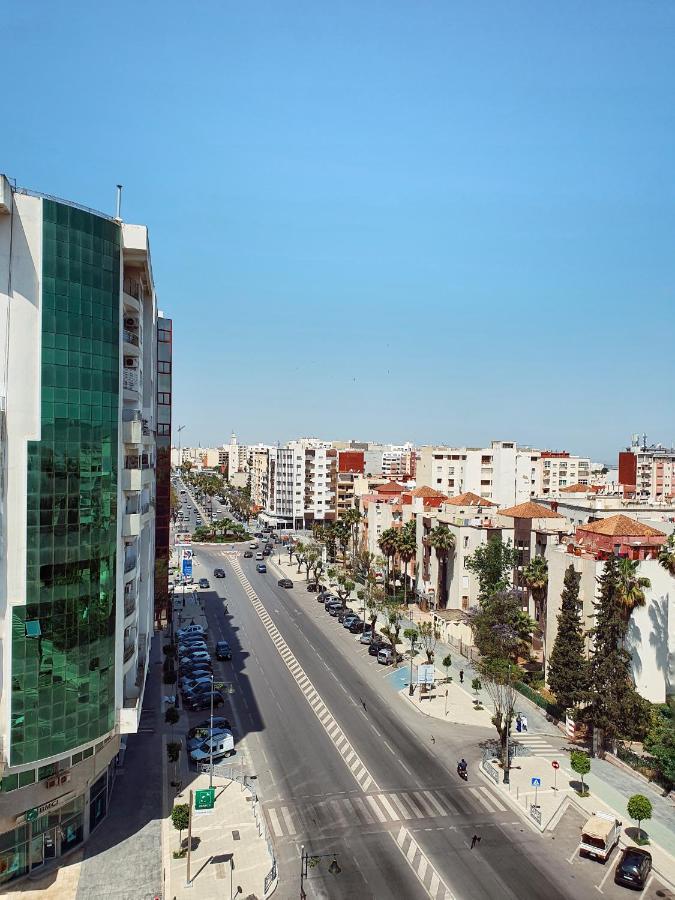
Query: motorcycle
[(463, 772)]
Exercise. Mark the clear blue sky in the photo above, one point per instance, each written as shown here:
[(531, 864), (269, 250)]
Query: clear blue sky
[(435, 221)]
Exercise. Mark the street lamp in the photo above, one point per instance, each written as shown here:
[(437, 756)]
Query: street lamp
[(313, 859), (211, 739)]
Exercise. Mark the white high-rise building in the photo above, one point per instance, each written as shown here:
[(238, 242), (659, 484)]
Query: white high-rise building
[(78, 400)]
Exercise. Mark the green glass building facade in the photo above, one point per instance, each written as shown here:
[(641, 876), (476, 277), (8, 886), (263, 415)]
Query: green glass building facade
[(63, 637)]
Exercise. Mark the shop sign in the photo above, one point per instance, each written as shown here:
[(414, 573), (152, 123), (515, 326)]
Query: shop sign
[(31, 815)]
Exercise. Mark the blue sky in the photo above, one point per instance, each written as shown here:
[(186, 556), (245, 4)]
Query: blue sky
[(434, 221)]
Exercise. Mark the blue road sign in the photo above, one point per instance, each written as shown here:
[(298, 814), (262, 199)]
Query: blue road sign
[(536, 782)]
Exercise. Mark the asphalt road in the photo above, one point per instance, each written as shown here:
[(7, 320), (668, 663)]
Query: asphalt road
[(347, 767)]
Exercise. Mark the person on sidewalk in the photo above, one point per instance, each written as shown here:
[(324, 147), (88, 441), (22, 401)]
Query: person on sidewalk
[(523, 722), (519, 723), (475, 840), (461, 676)]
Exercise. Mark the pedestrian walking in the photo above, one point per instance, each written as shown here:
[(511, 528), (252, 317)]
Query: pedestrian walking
[(523, 722), (475, 840), (461, 676), (433, 739), (519, 723)]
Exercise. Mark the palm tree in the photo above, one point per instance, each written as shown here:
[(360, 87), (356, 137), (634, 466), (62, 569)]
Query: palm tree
[(631, 587), (388, 544), (667, 555), (535, 576), (352, 517), (406, 546), (443, 542)]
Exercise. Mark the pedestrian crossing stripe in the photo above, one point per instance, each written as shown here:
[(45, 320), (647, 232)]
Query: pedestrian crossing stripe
[(374, 809), (354, 763), (425, 873)]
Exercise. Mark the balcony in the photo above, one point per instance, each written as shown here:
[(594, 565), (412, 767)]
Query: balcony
[(131, 525), (130, 380), (130, 565), (132, 342), (129, 605), (131, 479), (132, 432), (129, 650)]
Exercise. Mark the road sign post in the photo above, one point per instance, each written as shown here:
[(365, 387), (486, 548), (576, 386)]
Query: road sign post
[(556, 766), (536, 782), (205, 799)]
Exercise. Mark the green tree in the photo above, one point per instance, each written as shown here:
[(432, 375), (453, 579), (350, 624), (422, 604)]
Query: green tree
[(299, 553), (344, 588), (407, 546), (612, 700), (180, 816), (640, 808), (342, 533), (498, 677), (667, 555), (410, 634), (392, 629), (374, 606), (581, 764), (429, 635), (172, 715), (476, 685), (568, 666), (447, 662), (491, 563), (535, 576), (443, 542), (660, 742), (631, 587), (352, 517), (388, 544), (501, 630)]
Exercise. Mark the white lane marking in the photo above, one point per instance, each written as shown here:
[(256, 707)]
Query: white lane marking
[(415, 806), (361, 807), (600, 886), (447, 805), (376, 809), (494, 800), (433, 802), (387, 805), (409, 847), (400, 806), (356, 765), (422, 869), (433, 885), (481, 799), (411, 854), (274, 820), (424, 804), (285, 813)]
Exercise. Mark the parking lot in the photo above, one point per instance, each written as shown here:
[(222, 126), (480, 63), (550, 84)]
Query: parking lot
[(590, 874)]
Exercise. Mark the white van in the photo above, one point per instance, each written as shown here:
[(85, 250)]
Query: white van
[(259, 555), (599, 836), (222, 745)]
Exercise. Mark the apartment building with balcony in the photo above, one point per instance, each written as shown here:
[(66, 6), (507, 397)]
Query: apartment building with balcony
[(300, 485), (77, 515), (647, 472), (651, 633), (560, 470)]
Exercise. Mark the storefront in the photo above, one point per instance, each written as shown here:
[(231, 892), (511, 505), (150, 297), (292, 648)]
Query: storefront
[(48, 832)]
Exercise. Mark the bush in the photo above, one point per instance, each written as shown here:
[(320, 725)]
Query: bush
[(170, 677), (169, 650), (172, 715), (552, 709), (640, 808), (581, 764)]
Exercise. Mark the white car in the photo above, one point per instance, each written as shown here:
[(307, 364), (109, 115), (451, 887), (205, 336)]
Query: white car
[(221, 745), (189, 629)]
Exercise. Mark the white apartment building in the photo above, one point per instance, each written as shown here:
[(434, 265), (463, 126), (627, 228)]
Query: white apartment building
[(502, 473), (260, 477), (78, 400), (301, 484), (559, 470)]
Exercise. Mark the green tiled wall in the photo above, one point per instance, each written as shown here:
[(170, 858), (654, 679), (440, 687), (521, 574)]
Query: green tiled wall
[(63, 682)]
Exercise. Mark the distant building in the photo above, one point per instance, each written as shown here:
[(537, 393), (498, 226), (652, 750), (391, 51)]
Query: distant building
[(647, 472)]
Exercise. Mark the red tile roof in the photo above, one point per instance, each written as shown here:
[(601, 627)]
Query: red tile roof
[(391, 487), (579, 488), (426, 492), (469, 499), (530, 510), (621, 526)]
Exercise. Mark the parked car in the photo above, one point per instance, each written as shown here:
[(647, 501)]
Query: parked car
[(195, 656), (203, 701), (217, 748), (196, 690), (187, 650), (218, 573), (190, 677), (223, 650), (356, 626), (205, 734), (261, 567), (376, 646), (248, 554), (334, 609), (367, 635), (189, 629), (633, 868), (344, 612), (599, 836), (329, 598), (191, 637), (198, 670), (219, 722), (266, 551), (285, 583), (204, 583), (385, 656), (191, 685), (313, 588)]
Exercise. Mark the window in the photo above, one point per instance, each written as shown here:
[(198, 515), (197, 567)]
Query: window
[(465, 602), (163, 336), (163, 430), (164, 368), (164, 398)]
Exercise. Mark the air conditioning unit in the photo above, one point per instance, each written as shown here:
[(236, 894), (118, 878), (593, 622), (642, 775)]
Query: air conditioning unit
[(64, 778), (52, 782), (130, 362), (130, 322)]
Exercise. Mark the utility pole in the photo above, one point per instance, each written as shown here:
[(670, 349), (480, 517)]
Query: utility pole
[(188, 882), (211, 740)]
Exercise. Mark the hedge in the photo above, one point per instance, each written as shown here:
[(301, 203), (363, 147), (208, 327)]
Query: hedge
[(551, 708)]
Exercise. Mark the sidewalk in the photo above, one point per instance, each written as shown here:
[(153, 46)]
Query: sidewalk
[(229, 843)]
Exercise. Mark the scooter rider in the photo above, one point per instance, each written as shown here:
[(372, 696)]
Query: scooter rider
[(461, 767)]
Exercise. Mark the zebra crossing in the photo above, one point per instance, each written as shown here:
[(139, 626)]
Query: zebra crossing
[(353, 761), (536, 744), (374, 809), (425, 873)]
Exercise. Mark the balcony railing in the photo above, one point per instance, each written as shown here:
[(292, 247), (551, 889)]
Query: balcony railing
[(130, 562), (129, 606), (130, 379), (129, 650), (131, 337)]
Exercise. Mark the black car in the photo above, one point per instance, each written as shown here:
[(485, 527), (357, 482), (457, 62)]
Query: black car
[(218, 573), (203, 701), (376, 646), (248, 554), (223, 650), (633, 868), (313, 588), (285, 583), (266, 552), (342, 615), (218, 722), (357, 627), (204, 583)]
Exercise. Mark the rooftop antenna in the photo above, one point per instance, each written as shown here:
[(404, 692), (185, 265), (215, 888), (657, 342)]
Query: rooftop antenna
[(119, 202), (644, 441)]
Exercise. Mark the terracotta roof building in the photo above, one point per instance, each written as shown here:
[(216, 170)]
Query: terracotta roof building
[(468, 499), (620, 535), (530, 510)]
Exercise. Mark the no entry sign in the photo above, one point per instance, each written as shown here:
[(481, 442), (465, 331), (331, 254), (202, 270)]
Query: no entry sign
[(555, 764)]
